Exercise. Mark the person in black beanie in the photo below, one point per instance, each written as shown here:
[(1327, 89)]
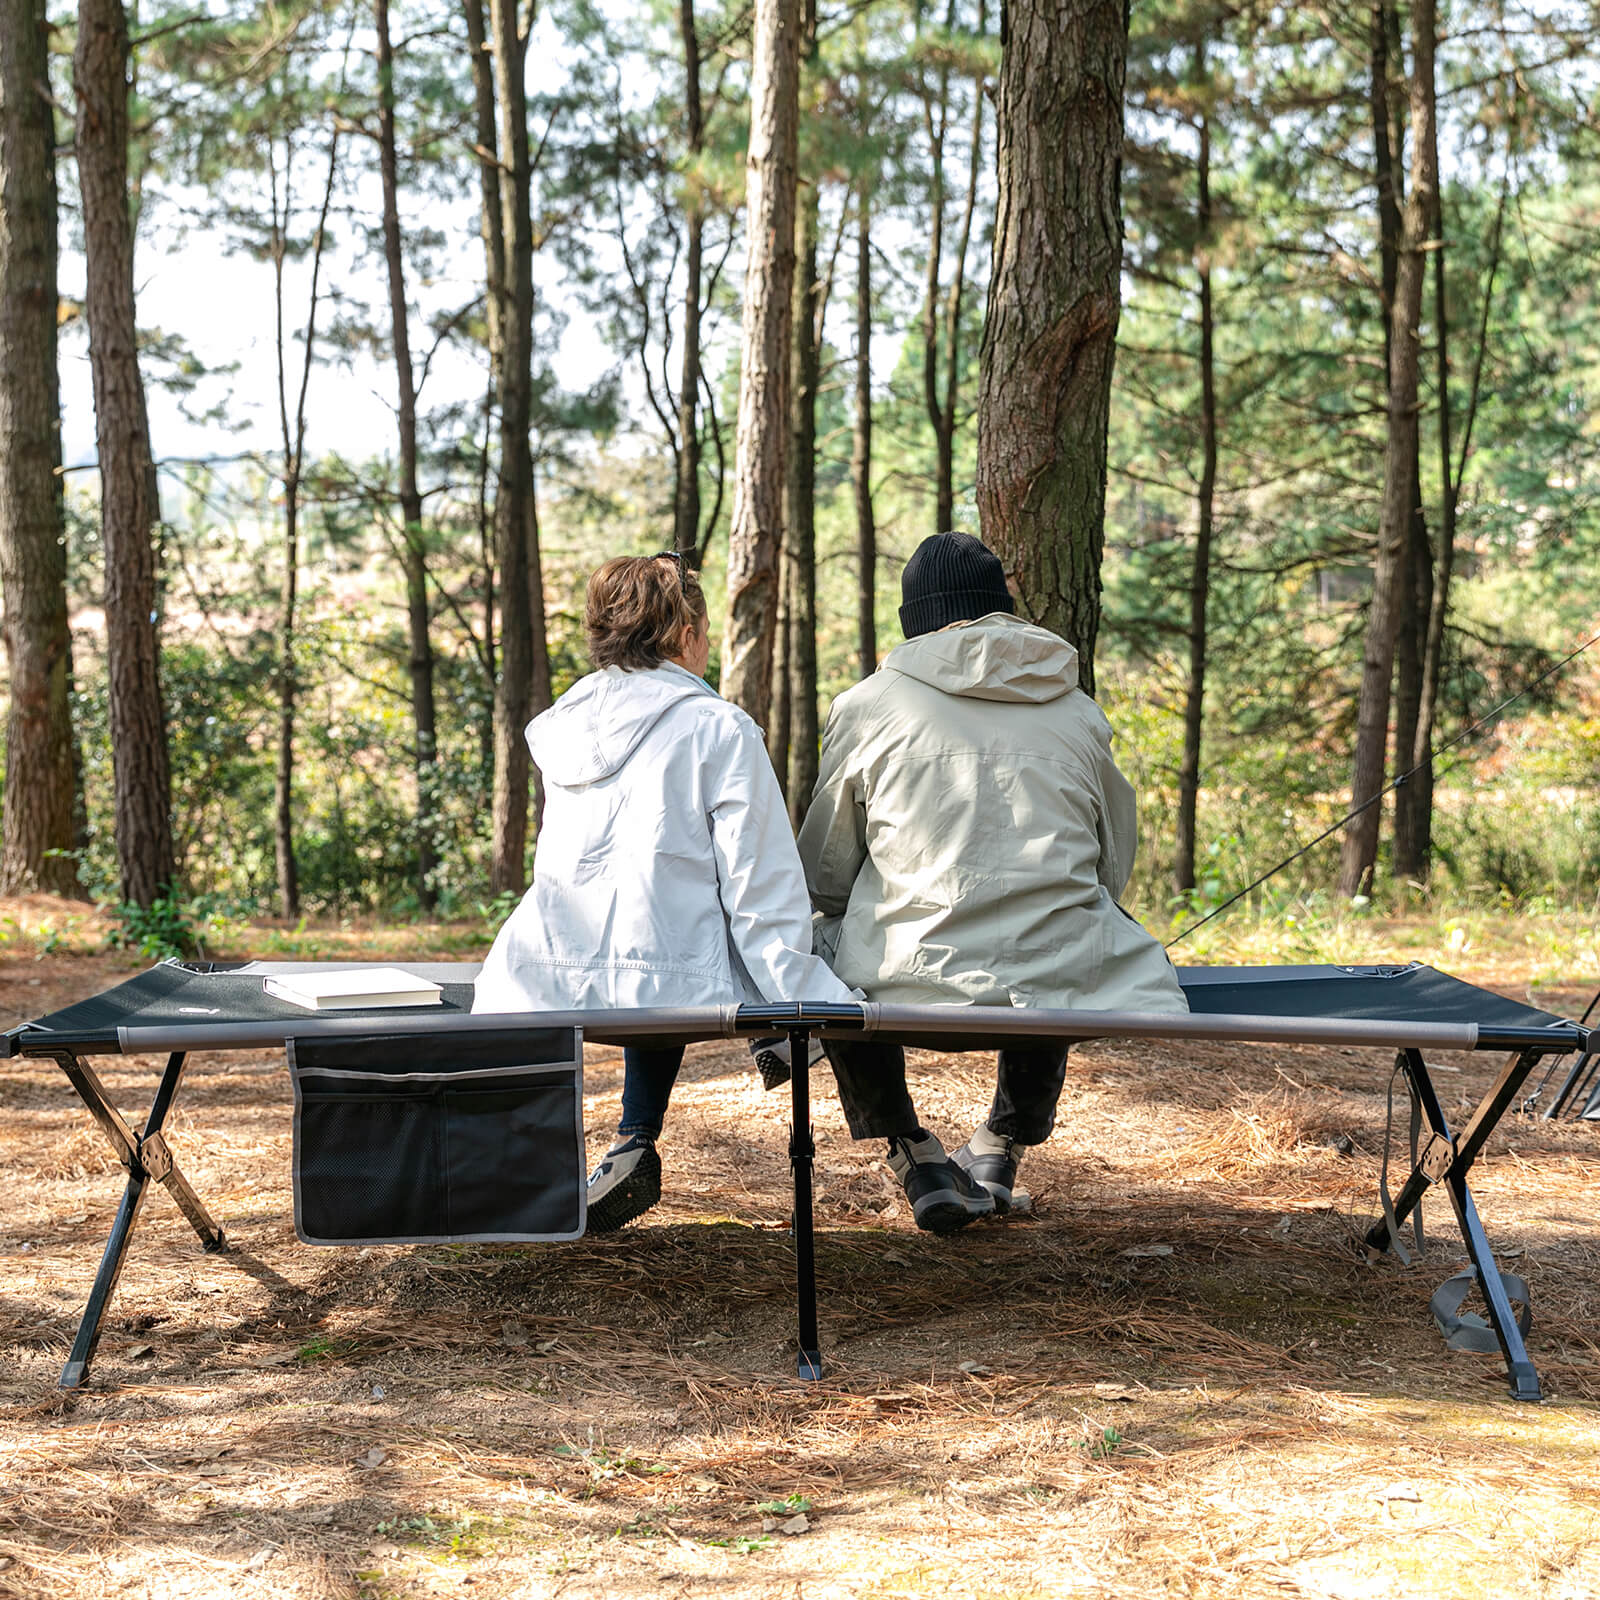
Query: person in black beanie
[(966, 843)]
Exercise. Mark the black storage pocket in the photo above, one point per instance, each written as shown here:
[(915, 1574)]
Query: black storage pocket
[(405, 1140)]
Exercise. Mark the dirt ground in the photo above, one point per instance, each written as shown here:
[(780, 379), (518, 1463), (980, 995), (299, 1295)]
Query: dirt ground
[(1176, 1378)]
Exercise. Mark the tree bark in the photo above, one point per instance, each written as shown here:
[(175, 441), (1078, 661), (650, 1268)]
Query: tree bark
[(754, 536), (514, 535), (1054, 300), (129, 506), (800, 525), (936, 120), (1422, 747), (686, 493), (780, 716), (861, 446), (486, 144), (37, 833), (410, 496), (945, 427), (294, 460), (1183, 874), (1360, 849)]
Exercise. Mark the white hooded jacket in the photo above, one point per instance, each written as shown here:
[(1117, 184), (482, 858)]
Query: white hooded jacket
[(666, 872), (970, 832)]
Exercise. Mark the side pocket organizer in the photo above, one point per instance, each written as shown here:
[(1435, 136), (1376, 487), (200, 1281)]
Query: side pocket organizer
[(407, 1140)]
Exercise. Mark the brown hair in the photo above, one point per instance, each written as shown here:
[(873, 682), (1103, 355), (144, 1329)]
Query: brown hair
[(638, 609)]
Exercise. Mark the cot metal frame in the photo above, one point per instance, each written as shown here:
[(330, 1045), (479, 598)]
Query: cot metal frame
[(1441, 1157)]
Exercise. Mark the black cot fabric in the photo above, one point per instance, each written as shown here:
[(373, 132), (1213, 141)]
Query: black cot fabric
[(175, 994), (405, 1141), (1375, 994), (199, 992)]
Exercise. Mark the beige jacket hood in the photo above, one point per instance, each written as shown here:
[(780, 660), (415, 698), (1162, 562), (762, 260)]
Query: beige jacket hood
[(970, 832)]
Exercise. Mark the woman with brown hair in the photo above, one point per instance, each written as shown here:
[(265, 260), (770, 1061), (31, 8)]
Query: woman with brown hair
[(666, 872)]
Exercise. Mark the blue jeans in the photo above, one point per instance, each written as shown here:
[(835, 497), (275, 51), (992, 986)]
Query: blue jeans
[(647, 1080)]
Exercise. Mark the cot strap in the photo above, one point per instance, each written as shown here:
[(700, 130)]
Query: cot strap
[(1465, 1330), (1387, 1199)]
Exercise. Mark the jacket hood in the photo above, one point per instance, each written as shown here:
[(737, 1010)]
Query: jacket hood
[(590, 732), (997, 657)]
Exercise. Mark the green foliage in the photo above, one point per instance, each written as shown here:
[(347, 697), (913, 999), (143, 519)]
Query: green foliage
[(158, 932)]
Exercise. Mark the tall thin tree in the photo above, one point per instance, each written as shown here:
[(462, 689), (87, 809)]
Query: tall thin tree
[(129, 505), (524, 682), (761, 454), (1049, 337), (686, 490), (1183, 876), (414, 540), (1360, 849), (36, 835), (861, 444), (292, 429), (800, 520)]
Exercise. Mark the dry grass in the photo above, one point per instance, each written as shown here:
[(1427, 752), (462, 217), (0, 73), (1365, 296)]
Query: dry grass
[(1177, 1378)]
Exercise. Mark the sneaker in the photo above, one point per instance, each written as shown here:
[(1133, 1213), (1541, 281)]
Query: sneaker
[(996, 1172), (771, 1057), (943, 1198), (625, 1185)]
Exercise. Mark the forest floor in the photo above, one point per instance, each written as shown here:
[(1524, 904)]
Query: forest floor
[(1175, 1378)]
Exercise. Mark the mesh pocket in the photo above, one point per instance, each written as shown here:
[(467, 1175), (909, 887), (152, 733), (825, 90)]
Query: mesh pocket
[(402, 1140), (368, 1167)]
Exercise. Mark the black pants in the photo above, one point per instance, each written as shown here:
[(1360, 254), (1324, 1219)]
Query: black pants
[(877, 1104)]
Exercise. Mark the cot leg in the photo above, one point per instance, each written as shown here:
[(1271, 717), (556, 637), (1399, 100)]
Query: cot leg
[(76, 1372), (146, 1157), (1448, 1160), (1572, 1086), (802, 1153)]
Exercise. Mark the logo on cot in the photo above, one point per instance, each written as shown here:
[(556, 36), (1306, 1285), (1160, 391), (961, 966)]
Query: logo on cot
[(199, 1011)]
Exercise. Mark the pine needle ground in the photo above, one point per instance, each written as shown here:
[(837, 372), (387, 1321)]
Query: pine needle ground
[(1177, 1377)]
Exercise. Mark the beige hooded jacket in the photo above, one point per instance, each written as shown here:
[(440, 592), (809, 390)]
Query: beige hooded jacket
[(970, 832)]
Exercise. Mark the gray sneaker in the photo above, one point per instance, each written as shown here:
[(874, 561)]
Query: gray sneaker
[(625, 1185), (943, 1198), (997, 1173)]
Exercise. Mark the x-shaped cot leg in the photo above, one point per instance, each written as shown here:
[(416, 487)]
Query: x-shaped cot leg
[(146, 1157), (1442, 1159)]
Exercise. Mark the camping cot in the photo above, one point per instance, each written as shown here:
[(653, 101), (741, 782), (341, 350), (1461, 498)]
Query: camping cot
[(432, 1124)]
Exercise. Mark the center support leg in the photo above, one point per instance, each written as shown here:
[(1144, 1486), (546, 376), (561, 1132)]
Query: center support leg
[(802, 1155), (146, 1158), (1448, 1160)]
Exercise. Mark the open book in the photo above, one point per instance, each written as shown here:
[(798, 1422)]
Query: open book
[(353, 989)]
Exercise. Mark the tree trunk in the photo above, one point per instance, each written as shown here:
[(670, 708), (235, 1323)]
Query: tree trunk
[(936, 118), (861, 447), (487, 145), (416, 555), (686, 494), (540, 697), (129, 506), (514, 489), (1422, 747), (780, 717), (800, 525), (288, 688), (1054, 298), (754, 536), (945, 428), (37, 832), (1360, 848), (294, 460), (1183, 875)]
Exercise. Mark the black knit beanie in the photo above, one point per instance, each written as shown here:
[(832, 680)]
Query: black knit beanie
[(951, 577)]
